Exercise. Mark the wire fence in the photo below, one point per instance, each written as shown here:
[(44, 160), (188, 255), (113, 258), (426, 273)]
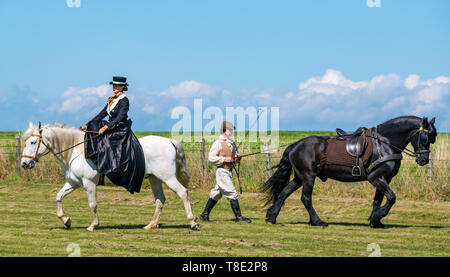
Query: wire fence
[(11, 145), (254, 171)]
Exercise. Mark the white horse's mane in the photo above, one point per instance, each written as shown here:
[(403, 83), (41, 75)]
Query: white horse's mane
[(33, 128), (65, 136)]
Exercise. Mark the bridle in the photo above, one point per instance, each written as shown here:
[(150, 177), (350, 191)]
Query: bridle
[(422, 137), (41, 140)]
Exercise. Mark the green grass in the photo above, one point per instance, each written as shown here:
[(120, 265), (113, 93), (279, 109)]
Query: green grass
[(29, 226)]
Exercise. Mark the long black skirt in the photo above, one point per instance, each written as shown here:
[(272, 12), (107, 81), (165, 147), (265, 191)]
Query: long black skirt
[(117, 154)]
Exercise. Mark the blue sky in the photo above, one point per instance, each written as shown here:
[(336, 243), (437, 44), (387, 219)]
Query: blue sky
[(310, 58)]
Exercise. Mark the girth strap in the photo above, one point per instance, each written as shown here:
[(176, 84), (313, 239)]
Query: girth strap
[(381, 159), (384, 159)]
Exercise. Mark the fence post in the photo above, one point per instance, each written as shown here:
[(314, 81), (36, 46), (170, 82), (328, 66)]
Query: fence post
[(430, 166), (202, 156), (268, 162), (18, 154)]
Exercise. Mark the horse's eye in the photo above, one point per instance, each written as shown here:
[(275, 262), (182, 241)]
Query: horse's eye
[(33, 142)]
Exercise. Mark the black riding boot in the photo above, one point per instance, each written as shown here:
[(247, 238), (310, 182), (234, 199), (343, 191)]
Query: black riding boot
[(237, 211), (209, 205)]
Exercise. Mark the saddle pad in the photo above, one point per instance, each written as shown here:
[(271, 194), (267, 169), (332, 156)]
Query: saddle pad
[(336, 152)]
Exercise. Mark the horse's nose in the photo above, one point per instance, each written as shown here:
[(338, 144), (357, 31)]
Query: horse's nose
[(27, 165), (422, 161)]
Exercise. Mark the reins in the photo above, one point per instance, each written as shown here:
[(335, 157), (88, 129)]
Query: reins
[(41, 140), (407, 151)]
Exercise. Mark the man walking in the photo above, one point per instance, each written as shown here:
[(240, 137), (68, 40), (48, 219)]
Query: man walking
[(223, 154)]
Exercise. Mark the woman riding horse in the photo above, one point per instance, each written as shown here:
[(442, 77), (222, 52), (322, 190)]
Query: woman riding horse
[(115, 150)]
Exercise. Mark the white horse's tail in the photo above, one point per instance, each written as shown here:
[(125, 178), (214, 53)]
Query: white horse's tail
[(183, 173)]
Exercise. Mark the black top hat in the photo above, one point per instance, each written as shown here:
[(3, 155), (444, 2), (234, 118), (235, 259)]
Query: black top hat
[(117, 80)]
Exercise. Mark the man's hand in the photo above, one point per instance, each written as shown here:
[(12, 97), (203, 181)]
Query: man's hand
[(228, 159), (102, 130), (84, 128)]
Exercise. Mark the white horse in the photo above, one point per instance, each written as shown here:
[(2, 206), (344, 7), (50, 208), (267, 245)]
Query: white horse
[(164, 162)]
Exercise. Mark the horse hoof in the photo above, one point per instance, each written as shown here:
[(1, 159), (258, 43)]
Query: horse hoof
[(319, 223), (68, 223), (151, 226), (196, 227), (204, 218), (270, 222), (377, 225), (91, 228)]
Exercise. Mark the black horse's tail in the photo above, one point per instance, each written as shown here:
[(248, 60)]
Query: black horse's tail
[(275, 184)]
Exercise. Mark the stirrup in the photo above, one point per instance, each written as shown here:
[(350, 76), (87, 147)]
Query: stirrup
[(356, 171)]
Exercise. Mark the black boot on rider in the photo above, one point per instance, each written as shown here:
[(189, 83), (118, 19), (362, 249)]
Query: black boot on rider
[(237, 211), (209, 206)]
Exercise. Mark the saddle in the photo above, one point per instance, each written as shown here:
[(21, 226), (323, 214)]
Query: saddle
[(355, 144)]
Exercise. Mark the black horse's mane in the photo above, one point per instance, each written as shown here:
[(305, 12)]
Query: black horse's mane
[(399, 119), (408, 119)]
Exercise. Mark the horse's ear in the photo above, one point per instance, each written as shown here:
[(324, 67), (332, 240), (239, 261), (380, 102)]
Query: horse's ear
[(30, 124), (424, 121), (39, 125), (433, 120)]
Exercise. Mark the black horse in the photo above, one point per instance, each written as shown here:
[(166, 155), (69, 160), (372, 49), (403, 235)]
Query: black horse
[(305, 155)]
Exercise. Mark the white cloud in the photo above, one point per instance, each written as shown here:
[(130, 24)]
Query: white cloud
[(267, 94), (333, 82), (99, 91), (412, 81), (442, 80), (321, 102), (394, 104), (430, 99), (75, 99), (189, 89), (384, 83), (334, 98)]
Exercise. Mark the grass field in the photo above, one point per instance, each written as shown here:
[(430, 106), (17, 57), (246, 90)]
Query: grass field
[(417, 225), (29, 226)]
